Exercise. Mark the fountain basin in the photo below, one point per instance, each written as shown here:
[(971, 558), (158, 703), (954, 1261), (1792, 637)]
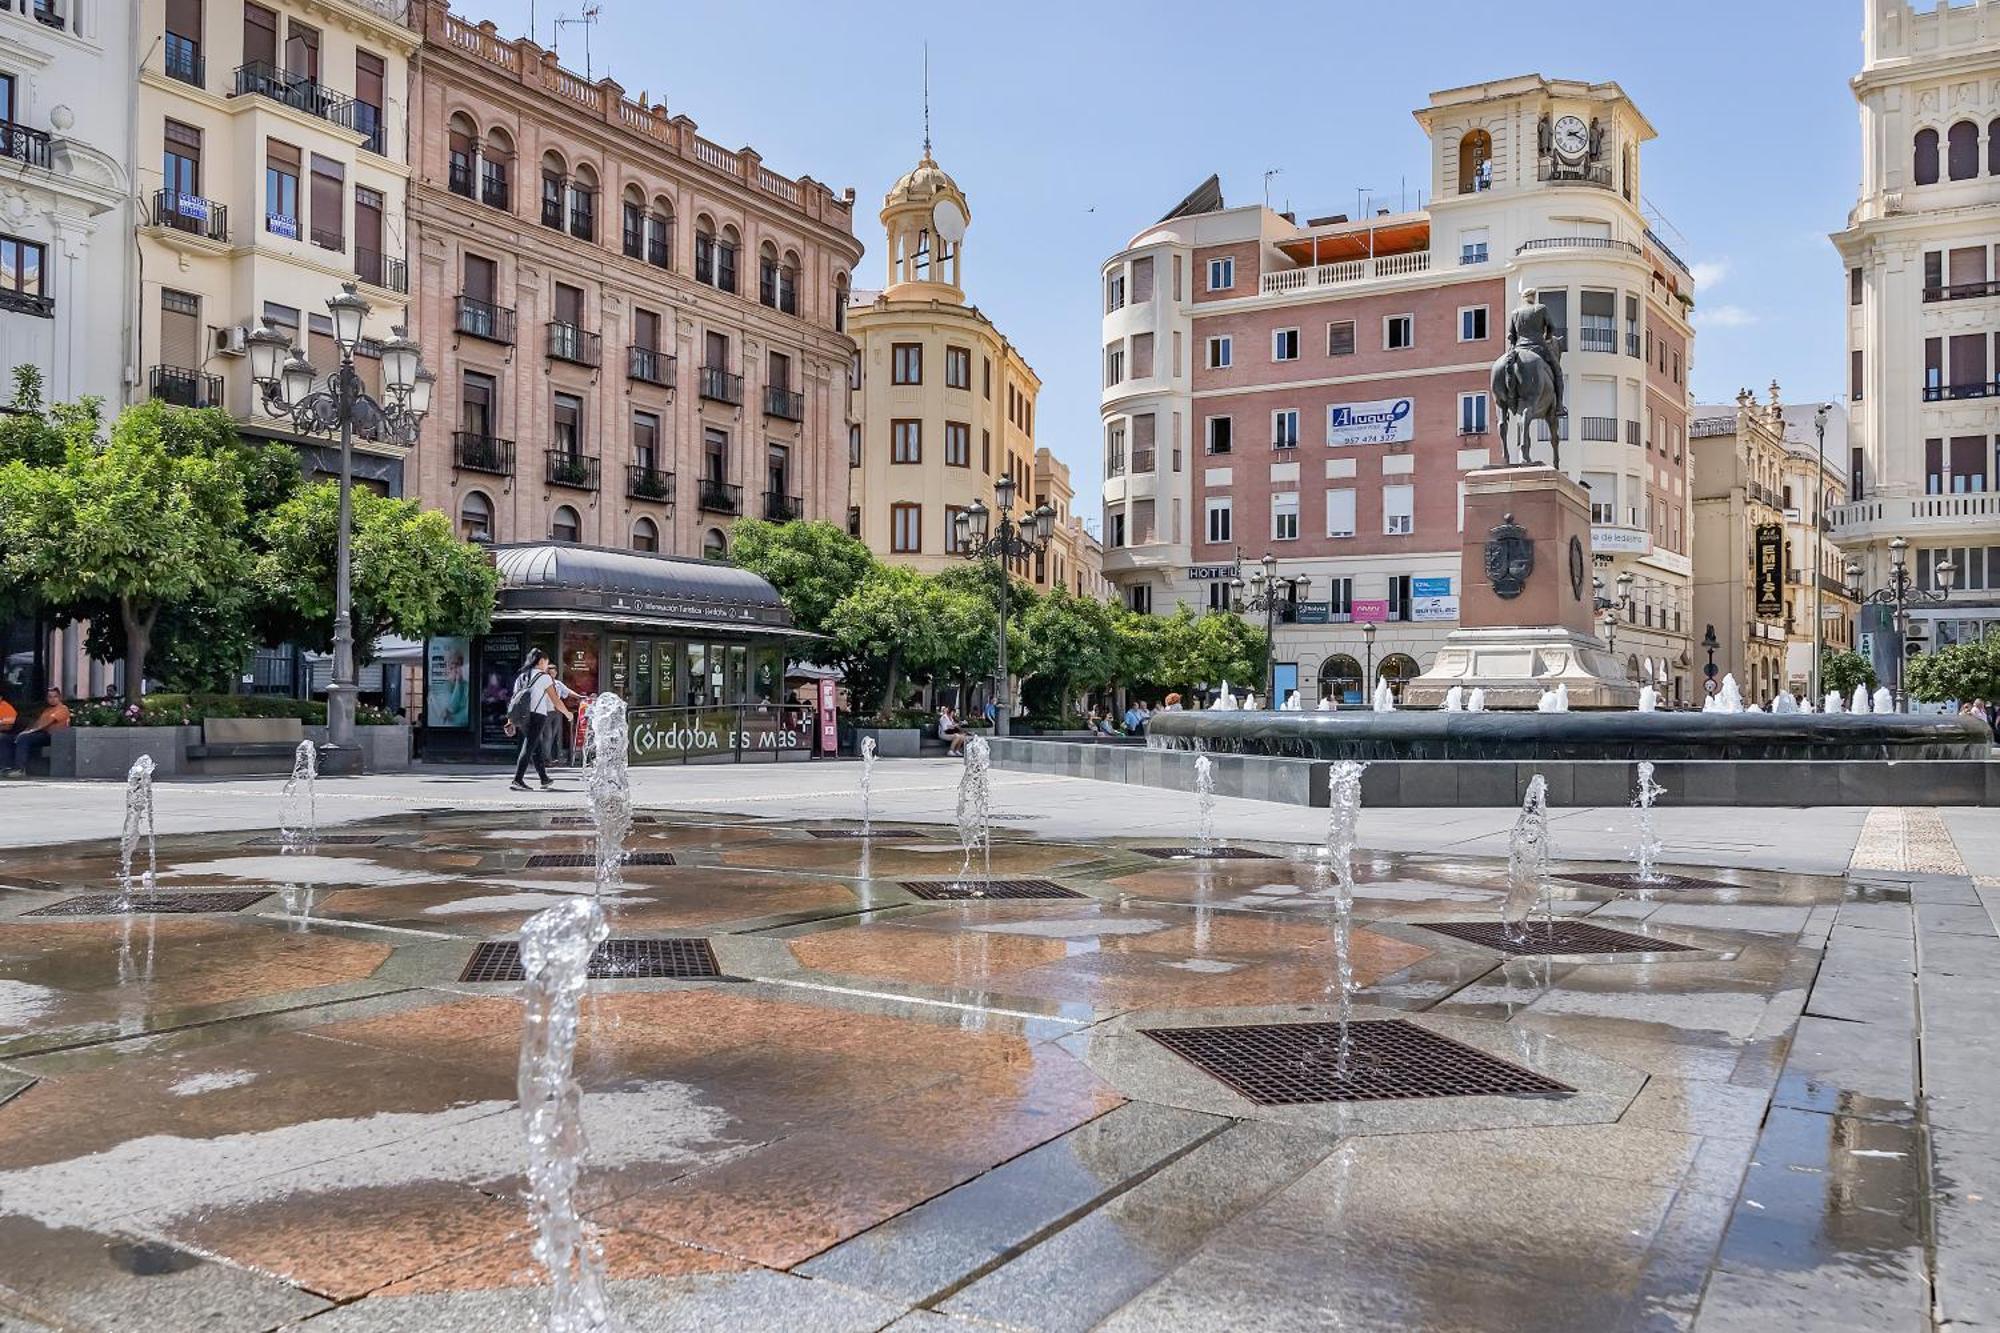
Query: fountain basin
[(1633, 736)]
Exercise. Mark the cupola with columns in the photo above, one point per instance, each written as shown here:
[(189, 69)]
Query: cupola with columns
[(925, 215)]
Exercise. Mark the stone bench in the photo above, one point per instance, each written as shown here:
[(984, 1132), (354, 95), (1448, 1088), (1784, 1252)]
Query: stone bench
[(228, 743)]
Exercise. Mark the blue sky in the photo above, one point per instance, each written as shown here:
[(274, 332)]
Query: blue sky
[(1071, 128)]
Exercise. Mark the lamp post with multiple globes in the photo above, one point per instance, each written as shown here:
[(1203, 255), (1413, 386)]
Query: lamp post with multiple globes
[(978, 538), (1267, 593), (285, 381), (1900, 593)]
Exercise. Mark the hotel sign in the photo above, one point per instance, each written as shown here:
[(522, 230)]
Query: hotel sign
[(1768, 574), (1382, 421)]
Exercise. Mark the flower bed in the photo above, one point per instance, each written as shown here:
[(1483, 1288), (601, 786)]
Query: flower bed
[(190, 710)]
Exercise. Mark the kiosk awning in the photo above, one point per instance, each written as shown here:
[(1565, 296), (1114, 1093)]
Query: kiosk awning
[(553, 580)]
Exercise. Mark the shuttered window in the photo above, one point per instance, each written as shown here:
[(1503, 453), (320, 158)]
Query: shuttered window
[(329, 203), (260, 35), (481, 278), (180, 329)]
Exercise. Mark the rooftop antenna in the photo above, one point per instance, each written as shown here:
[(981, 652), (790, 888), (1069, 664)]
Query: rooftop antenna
[(586, 19), (1274, 171), (927, 99)]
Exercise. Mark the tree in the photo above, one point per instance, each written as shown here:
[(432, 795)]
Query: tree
[(812, 565), (1138, 646), (412, 575), (1841, 672), (896, 622), (147, 521), (1961, 673), (1066, 639), (1209, 649)]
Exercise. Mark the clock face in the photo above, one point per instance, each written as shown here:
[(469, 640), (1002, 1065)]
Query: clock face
[(1572, 136)]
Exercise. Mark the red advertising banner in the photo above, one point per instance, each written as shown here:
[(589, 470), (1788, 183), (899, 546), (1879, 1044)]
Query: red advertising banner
[(829, 732), (1370, 611)]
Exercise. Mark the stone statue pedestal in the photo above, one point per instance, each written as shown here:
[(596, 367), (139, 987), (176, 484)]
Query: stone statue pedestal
[(1526, 618)]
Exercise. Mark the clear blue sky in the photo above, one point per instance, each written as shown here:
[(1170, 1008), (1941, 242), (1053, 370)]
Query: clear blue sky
[(1053, 119)]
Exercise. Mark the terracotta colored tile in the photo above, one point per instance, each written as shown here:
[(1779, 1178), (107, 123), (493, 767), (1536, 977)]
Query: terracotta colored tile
[(511, 1263)]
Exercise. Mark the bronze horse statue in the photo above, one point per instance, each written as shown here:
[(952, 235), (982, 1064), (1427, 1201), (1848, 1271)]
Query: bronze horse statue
[(1528, 387)]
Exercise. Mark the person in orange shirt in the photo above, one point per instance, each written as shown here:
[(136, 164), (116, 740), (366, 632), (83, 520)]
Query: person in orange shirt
[(16, 748)]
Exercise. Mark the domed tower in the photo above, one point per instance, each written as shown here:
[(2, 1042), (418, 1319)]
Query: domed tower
[(925, 215)]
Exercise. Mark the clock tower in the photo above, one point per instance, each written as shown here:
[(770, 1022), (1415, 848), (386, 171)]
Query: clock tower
[(925, 215)]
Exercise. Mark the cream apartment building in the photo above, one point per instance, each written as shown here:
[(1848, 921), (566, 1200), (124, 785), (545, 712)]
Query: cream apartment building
[(1921, 258), (1074, 561), (271, 166), (944, 403), (1318, 389)]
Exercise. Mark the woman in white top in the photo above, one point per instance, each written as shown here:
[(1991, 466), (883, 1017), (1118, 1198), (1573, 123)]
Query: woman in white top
[(546, 695), (949, 731)]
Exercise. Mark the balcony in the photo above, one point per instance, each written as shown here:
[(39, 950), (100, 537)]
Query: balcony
[(650, 365), (327, 240), (1972, 513), (582, 215), (494, 191), (261, 79), (482, 453), (782, 508), (1951, 393), (368, 123), (481, 319), (183, 60), (1551, 172), (192, 214), (1143, 461), (552, 212), (1602, 429), (1314, 277), (1597, 340), (1653, 239), (565, 467), (24, 145), (1575, 243), (784, 404), (719, 497), (569, 343), (1963, 291), (458, 178), (380, 270), (649, 483), (183, 387), (18, 302), (719, 386)]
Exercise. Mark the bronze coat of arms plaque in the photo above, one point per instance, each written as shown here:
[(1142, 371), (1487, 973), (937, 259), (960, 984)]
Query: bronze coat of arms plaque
[(1510, 557)]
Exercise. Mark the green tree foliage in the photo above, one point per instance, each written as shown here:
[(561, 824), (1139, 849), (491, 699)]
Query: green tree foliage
[(891, 627), (1961, 673), (1843, 671), (1207, 650), (412, 575), (812, 565), (1138, 647), (1067, 642)]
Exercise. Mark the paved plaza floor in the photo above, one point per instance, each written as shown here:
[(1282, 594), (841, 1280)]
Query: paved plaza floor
[(1756, 1098)]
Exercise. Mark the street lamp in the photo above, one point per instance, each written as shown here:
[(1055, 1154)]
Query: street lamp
[(976, 539), (1267, 592), (1901, 593), (1368, 671), (1709, 644), (1819, 550), (1609, 619), (285, 382)]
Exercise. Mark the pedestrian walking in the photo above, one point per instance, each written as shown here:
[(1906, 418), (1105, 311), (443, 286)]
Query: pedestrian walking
[(537, 699)]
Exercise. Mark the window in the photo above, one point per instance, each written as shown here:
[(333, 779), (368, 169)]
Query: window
[(1473, 243), (302, 51), (1220, 528), (476, 398), (260, 36), (986, 452), (1221, 274), (952, 544), (1219, 435), (1398, 510), (1398, 332), (1117, 528), (1472, 414), (1114, 449), (475, 518), (1114, 292), (1114, 364), (1340, 513), (369, 97), (1475, 162), (1139, 597), (986, 377), (565, 526), (281, 189), (1285, 428), (714, 546), (715, 454), (183, 43), (957, 368), (1219, 350), (1340, 338), (854, 521), (328, 197), (1962, 151), (1284, 344), (180, 164), (1854, 285), (854, 445), (1925, 168), (957, 444), (1399, 601), (906, 527), (645, 535), (1142, 280), (1220, 595), (1854, 375), (907, 363), (906, 441), (566, 424), (704, 252), (1285, 517), (645, 441), (1472, 324)]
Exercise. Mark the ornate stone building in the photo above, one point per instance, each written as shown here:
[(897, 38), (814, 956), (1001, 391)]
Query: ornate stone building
[(639, 334)]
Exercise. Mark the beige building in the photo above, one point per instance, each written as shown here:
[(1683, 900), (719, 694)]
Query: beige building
[(944, 404), (1757, 509), (1074, 560), (271, 167)]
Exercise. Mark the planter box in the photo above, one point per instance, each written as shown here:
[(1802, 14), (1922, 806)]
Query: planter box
[(891, 742), (108, 752), (383, 749)]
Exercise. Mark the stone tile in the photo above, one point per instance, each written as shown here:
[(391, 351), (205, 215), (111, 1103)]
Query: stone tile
[(1964, 1190), (1709, 1109), (1833, 1193), (1859, 1069), (1817, 1300)]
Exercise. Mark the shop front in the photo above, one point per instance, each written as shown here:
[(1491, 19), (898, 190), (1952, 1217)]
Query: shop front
[(696, 649)]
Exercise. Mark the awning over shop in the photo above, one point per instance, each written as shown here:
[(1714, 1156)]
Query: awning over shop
[(555, 580)]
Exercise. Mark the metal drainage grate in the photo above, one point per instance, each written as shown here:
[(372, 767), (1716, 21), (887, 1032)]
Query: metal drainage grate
[(952, 890), (1212, 854), (1285, 1064), (832, 833), (614, 959), (585, 860), (321, 840), (1560, 937), (106, 904), (585, 821), (1626, 879)]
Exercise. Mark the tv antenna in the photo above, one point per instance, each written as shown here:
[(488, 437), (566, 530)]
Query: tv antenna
[(1274, 171), (585, 19)]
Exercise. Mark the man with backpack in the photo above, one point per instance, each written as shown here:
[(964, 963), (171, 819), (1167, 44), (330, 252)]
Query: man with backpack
[(537, 697)]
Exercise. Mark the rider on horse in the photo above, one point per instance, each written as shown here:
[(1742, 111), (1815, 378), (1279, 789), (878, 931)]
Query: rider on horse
[(1529, 325)]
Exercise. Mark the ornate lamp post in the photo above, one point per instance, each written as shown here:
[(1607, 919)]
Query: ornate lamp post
[(978, 539), (285, 380), (1813, 690), (1267, 593), (1901, 592), (1368, 672)]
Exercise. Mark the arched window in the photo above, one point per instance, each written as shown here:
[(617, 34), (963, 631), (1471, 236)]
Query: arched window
[(632, 214), (767, 274), (555, 186), (788, 283), (1630, 182), (475, 517), (565, 526), (1340, 676), (645, 535), (496, 169), (1962, 151), (461, 148), (1925, 171), (1993, 148), (583, 203), (840, 303), (1632, 667), (704, 249), (660, 233), (1399, 669), (727, 246), (1475, 162), (714, 546)]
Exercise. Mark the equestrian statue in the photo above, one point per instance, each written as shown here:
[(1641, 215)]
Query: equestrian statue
[(1528, 382)]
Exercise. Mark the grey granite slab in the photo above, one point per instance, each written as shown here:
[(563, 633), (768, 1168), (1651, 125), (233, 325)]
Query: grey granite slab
[(1859, 1069)]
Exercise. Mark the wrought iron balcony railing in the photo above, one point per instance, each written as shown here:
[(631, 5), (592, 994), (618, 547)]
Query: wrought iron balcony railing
[(192, 214), (649, 483), (482, 453), (185, 388), (650, 365), (380, 270), (718, 385), (782, 508), (262, 79), (565, 467), (567, 342), (482, 319), (719, 497), (784, 403)]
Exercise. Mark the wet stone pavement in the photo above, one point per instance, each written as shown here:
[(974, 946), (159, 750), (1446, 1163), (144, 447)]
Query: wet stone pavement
[(892, 1112)]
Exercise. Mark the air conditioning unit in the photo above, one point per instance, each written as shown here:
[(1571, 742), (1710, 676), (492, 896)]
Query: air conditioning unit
[(233, 340), (1920, 629)]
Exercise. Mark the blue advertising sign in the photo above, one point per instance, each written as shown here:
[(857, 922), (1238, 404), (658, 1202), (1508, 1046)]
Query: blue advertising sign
[(1430, 587)]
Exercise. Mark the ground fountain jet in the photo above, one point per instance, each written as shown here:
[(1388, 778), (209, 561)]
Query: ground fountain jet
[(1528, 861), (975, 813), (1648, 852), (1343, 823), (1860, 701), (1885, 702), (556, 949), (298, 805), (1832, 704), (1204, 805), (138, 824), (1385, 698), (1454, 699), (1649, 699), (1477, 702), (867, 781)]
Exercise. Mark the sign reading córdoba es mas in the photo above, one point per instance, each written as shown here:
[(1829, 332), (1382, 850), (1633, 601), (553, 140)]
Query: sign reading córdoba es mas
[(1385, 421)]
